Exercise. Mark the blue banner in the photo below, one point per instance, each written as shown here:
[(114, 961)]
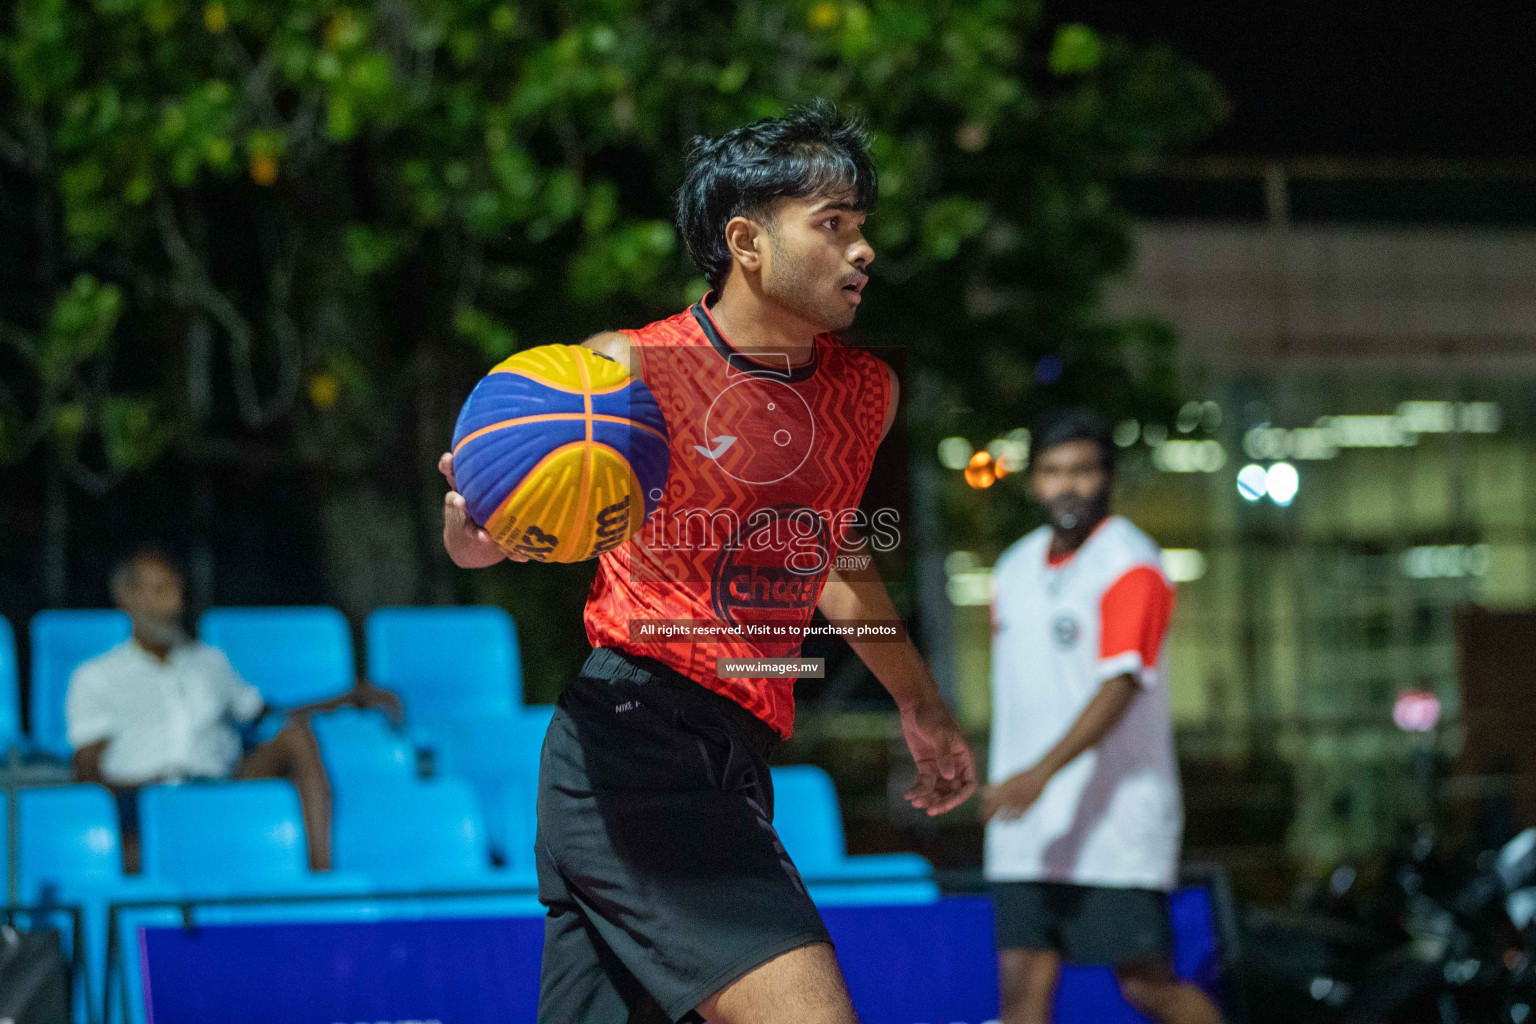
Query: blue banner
[(921, 964)]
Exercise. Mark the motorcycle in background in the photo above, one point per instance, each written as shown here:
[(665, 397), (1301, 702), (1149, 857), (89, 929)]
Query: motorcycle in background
[(1441, 941)]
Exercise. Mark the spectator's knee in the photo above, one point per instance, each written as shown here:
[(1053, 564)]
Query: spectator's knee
[(296, 736), (1147, 992), (295, 750)]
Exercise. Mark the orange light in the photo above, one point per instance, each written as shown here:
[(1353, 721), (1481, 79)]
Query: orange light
[(980, 472)]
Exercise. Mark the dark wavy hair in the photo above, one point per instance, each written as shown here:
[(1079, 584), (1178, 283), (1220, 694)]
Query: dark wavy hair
[(1075, 424), (125, 569), (810, 151)]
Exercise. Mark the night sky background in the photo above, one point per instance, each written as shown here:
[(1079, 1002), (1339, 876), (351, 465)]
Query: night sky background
[(1351, 78)]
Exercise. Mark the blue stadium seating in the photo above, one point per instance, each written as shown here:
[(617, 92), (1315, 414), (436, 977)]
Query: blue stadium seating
[(498, 756), (10, 689), (360, 748), (231, 838), (414, 836), (810, 825), (61, 640), (492, 747), (446, 662), (294, 656), (515, 821), (68, 840), (69, 851)]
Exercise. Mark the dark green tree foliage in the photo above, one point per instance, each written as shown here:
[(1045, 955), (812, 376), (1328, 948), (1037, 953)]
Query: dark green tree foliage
[(307, 227)]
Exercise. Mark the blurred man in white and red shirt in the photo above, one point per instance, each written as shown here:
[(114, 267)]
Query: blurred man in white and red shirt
[(1083, 813)]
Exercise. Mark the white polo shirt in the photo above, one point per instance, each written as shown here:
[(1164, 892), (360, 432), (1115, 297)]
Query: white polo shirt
[(1114, 816), (165, 719)]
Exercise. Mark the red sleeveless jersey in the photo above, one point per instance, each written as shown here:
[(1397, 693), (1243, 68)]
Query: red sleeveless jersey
[(768, 465)]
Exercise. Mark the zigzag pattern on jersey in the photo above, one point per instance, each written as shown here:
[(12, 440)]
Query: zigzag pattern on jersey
[(649, 578)]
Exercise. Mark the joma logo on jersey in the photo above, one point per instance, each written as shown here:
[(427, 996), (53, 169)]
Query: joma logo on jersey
[(1065, 630)]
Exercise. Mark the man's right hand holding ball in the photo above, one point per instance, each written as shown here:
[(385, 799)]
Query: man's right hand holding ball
[(468, 544)]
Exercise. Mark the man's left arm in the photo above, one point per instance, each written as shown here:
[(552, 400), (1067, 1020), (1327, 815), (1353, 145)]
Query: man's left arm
[(946, 768)]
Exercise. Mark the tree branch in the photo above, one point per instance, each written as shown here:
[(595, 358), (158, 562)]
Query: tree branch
[(196, 289), (13, 152), (285, 329), (23, 341)]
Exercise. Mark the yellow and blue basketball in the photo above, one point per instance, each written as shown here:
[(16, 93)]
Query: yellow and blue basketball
[(560, 454)]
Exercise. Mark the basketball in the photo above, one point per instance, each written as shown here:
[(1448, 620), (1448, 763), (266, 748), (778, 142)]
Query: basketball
[(560, 454)]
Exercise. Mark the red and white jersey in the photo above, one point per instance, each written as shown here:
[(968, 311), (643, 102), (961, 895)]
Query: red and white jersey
[(767, 465), (1061, 629)]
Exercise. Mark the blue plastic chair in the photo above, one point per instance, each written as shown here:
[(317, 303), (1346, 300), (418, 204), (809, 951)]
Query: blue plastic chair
[(516, 824), (10, 689), (294, 656), (69, 851), (68, 840), (224, 834), (231, 838), (493, 747), (410, 836), (61, 640), (498, 756), (359, 748), (810, 825), (446, 662)]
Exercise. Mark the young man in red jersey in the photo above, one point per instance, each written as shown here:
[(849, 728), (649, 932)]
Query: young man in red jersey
[(670, 897)]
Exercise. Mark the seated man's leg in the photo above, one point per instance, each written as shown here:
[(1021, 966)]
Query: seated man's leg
[(294, 755), (1152, 988), (127, 799), (803, 986), (1027, 978)]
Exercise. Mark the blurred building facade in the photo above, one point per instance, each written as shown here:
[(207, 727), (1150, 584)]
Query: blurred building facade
[(1356, 465)]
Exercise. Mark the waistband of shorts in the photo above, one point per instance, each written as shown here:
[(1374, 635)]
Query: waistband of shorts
[(625, 666)]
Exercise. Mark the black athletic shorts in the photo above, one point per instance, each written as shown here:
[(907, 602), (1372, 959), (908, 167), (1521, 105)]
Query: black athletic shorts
[(1086, 924), (663, 877)]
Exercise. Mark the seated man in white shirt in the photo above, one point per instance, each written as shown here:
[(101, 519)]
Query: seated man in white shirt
[(161, 707)]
